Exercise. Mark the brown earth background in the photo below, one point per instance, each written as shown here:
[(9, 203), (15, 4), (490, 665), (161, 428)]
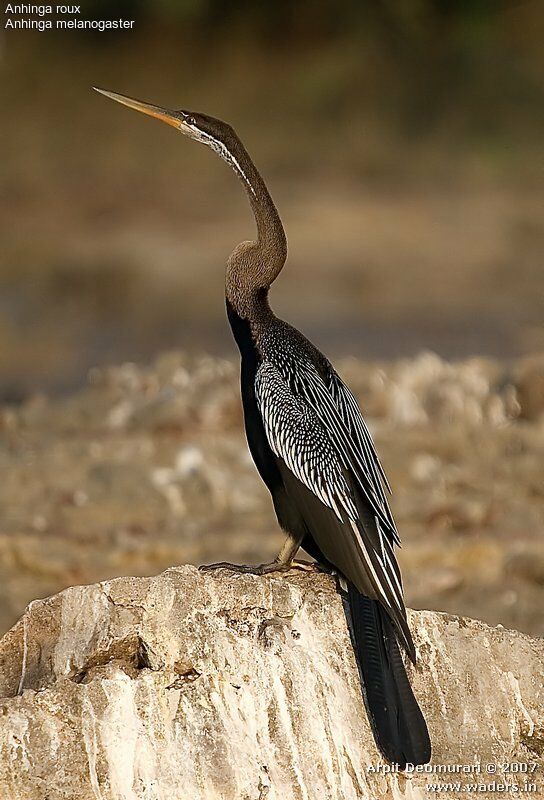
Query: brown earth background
[(402, 143)]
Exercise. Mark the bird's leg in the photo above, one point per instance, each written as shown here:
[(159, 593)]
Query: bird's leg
[(282, 562)]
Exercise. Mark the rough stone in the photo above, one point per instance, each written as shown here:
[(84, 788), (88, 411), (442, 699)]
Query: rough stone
[(191, 685)]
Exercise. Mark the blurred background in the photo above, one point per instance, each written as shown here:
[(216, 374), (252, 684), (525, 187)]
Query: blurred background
[(402, 142)]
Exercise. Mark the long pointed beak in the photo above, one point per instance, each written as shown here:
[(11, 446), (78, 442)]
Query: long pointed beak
[(173, 118)]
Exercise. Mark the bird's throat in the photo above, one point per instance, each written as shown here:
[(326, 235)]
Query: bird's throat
[(253, 266)]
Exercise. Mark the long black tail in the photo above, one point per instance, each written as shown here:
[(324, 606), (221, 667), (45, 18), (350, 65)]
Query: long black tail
[(396, 719)]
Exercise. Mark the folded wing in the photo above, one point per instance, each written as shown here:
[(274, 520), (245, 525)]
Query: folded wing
[(313, 430)]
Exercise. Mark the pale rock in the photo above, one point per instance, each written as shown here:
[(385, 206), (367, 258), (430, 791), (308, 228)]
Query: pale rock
[(192, 686)]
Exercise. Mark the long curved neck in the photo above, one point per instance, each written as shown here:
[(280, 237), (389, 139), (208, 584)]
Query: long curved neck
[(253, 266)]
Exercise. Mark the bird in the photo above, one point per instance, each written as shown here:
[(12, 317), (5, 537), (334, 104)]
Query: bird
[(315, 453)]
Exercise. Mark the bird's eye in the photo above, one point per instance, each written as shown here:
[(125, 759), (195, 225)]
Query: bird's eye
[(191, 120)]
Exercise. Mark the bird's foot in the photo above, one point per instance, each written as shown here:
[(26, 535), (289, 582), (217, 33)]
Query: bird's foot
[(264, 569), (248, 569)]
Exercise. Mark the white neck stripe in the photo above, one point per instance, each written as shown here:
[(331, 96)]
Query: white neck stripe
[(222, 150)]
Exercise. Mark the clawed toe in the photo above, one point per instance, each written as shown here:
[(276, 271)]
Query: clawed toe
[(244, 568), (275, 566), (247, 569)]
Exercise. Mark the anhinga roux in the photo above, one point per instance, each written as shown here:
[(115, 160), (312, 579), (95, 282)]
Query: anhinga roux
[(314, 452)]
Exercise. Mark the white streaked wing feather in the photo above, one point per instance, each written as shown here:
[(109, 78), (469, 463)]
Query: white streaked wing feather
[(307, 433), (308, 383), (296, 435)]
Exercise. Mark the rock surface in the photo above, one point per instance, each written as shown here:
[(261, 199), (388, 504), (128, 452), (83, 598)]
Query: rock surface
[(212, 686)]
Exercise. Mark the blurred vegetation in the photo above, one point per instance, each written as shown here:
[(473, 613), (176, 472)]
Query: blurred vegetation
[(402, 143), (428, 57), (399, 139)]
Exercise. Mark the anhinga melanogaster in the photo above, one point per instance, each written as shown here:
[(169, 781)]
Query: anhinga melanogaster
[(314, 452)]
